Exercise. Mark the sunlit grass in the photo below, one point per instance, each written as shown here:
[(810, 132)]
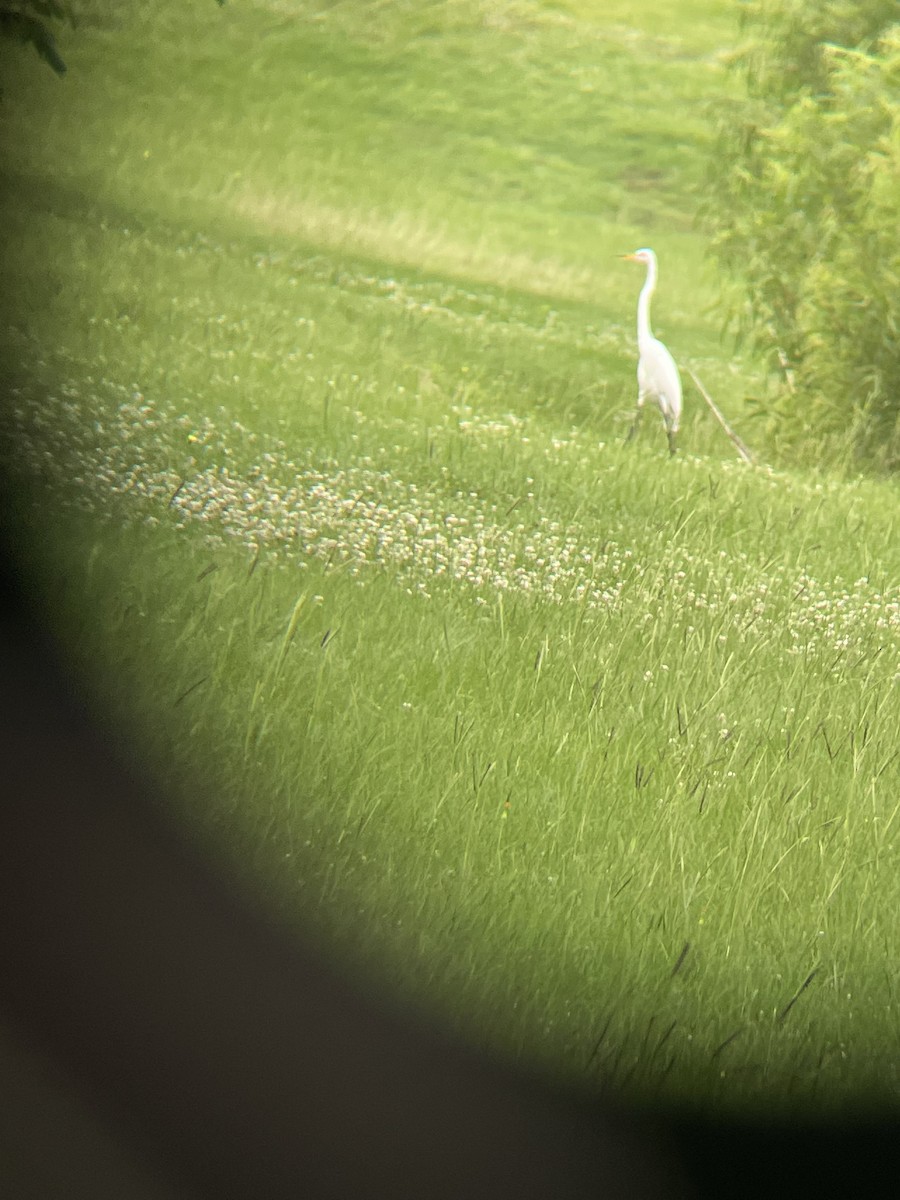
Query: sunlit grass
[(315, 413)]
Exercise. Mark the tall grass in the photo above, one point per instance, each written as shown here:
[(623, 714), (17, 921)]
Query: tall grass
[(315, 420)]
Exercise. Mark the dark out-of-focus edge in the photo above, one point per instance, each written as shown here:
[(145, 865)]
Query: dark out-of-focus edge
[(160, 1039)]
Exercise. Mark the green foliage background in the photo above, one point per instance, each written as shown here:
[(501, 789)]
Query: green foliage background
[(807, 212)]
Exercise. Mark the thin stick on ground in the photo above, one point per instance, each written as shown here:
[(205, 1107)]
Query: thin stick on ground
[(741, 448)]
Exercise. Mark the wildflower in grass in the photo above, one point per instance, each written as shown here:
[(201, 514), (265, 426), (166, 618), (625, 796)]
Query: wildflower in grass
[(367, 518)]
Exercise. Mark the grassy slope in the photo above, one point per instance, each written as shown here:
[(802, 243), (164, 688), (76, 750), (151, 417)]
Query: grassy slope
[(515, 711)]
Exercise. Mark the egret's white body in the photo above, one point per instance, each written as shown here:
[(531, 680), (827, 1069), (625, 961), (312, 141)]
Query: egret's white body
[(657, 373)]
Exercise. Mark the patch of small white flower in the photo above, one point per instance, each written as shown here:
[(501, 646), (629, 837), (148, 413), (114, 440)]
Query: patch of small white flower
[(365, 519)]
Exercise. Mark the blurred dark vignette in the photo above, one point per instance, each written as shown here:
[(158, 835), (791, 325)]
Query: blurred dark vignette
[(160, 1039)]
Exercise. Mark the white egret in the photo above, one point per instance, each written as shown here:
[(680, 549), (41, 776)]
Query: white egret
[(657, 373)]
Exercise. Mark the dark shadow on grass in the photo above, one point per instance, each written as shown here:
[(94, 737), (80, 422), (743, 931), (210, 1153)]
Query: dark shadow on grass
[(40, 194), (161, 1039)]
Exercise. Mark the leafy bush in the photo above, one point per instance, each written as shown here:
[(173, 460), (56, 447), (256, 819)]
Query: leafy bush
[(807, 211), (26, 22)]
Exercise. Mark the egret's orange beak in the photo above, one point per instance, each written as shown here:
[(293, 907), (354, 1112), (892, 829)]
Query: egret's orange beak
[(629, 257)]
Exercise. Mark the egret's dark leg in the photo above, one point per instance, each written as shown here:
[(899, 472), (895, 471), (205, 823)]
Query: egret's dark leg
[(670, 434), (639, 412)]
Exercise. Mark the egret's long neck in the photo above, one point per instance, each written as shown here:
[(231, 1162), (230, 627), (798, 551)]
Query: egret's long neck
[(647, 291)]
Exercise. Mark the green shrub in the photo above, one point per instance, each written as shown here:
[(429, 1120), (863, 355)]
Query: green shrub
[(26, 22), (806, 210)]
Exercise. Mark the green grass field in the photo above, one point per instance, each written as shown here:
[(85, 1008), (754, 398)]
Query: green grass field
[(319, 364)]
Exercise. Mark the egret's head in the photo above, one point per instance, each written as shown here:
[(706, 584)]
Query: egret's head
[(644, 256)]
